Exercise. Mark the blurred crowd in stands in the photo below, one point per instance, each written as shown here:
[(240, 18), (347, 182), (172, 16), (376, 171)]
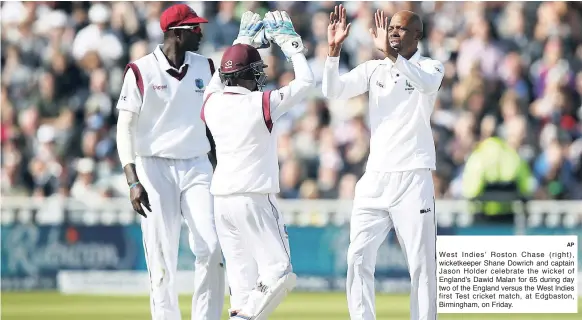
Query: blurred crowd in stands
[(513, 70)]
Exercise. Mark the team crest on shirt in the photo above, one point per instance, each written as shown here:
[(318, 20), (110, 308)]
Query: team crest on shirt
[(409, 88), (199, 84)]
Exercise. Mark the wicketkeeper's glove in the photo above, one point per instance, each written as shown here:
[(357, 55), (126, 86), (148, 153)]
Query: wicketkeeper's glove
[(252, 31), (279, 29)]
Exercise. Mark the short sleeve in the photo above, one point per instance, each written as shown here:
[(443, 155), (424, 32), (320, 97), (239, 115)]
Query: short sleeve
[(130, 98)]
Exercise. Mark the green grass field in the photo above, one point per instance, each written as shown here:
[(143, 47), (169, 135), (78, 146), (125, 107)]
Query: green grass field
[(297, 306)]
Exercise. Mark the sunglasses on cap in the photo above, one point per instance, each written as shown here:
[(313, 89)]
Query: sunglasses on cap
[(194, 28)]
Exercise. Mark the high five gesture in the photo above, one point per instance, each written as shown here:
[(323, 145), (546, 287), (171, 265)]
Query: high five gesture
[(337, 30)]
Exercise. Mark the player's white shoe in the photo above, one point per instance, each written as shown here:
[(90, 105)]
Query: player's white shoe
[(264, 300)]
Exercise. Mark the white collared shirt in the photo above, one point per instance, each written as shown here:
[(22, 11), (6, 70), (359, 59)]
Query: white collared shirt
[(241, 124), (167, 102), (401, 100)]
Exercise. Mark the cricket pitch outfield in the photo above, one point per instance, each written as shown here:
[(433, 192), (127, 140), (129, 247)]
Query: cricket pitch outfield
[(297, 306)]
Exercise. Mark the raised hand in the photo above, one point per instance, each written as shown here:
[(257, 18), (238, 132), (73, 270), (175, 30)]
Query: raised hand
[(338, 28), (251, 31), (380, 34), (279, 29)]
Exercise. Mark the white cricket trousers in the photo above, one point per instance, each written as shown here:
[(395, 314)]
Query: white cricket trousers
[(403, 201), (254, 242), (179, 189)]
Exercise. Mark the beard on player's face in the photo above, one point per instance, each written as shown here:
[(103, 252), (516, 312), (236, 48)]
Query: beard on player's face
[(191, 42), (191, 45)]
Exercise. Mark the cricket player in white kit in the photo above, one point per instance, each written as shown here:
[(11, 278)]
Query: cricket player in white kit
[(396, 191), (240, 116), (163, 148)]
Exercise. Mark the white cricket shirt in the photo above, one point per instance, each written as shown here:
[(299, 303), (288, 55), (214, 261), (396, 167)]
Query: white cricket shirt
[(401, 100), (241, 124), (167, 102)]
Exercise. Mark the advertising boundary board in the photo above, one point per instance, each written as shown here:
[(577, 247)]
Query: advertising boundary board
[(33, 256), (137, 283)]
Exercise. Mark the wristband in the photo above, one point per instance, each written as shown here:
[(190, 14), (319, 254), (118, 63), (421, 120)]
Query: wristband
[(133, 185)]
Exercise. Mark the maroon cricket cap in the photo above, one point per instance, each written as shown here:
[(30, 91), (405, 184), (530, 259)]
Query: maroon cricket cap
[(239, 57), (177, 15)]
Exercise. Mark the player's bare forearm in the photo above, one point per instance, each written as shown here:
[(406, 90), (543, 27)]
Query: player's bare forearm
[(334, 51), (130, 173)]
